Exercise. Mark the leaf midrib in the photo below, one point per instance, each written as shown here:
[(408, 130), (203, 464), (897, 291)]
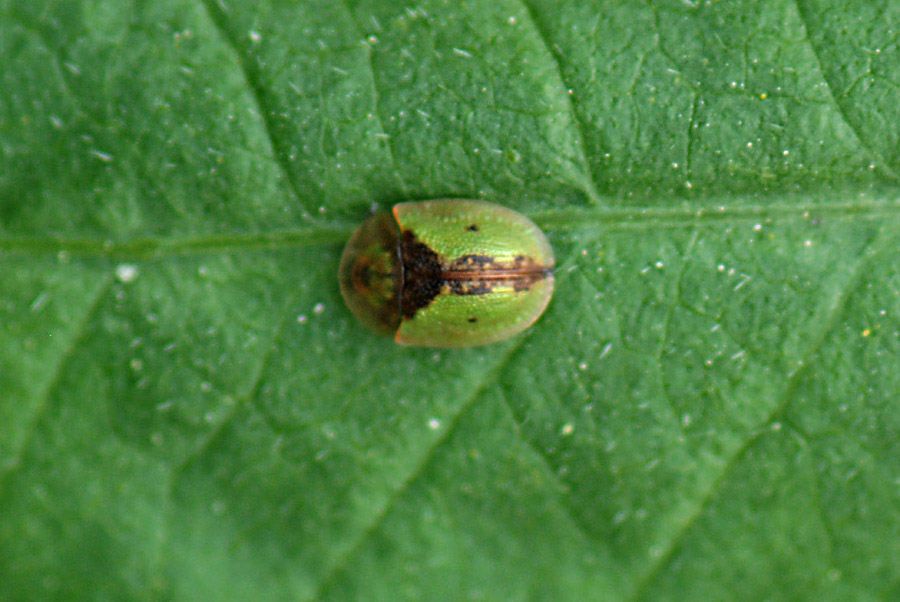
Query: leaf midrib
[(553, 220)]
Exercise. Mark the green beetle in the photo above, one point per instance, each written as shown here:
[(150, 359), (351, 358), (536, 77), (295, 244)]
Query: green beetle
[(447, 273)]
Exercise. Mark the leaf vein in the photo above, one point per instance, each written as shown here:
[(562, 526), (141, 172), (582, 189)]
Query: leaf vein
[(252, 77), (803, 12), (590, 186), (178, 470), (427, 458), (794, 378), (44, 396), (389, 143)]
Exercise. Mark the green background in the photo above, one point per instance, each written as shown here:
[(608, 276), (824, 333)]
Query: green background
[(707, 411)]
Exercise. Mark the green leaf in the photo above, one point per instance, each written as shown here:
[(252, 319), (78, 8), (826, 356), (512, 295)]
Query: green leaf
[(707, 411)]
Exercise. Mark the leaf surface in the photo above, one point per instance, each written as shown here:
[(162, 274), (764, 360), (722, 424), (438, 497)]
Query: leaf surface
[(706, 411)]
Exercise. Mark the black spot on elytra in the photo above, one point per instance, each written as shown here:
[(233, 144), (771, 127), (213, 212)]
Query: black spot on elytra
[(421, 275), (473, 228)]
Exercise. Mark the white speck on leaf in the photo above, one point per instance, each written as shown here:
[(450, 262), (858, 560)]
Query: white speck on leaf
[(126, 272), (744, 280), (605, 351), (39, 302), (105, 157)]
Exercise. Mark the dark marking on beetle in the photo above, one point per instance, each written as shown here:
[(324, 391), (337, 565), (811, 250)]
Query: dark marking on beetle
[(473, 228), (471, 287), (481, 274), (421, 275), (471, 263), (424, 276), (527, 279), (472, 320)]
